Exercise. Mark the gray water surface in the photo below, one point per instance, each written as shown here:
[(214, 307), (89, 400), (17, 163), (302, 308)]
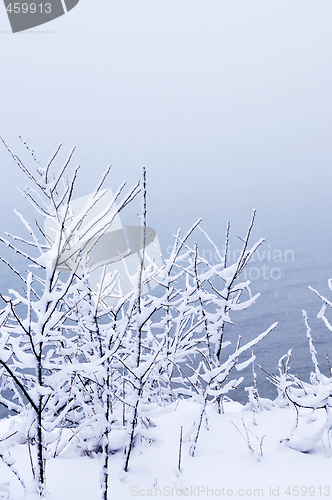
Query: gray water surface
[(296, 254)]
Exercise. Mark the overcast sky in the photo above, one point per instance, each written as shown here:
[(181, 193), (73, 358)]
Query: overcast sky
[(226, 103)]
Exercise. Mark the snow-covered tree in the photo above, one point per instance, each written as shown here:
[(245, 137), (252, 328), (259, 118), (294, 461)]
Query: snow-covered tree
[(38, 338), (311, 400), (77, 360)]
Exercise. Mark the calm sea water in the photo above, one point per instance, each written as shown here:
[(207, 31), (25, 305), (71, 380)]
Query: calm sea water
[(283, 268)]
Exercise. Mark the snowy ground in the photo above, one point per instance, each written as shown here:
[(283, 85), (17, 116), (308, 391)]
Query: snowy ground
[(223, 465)]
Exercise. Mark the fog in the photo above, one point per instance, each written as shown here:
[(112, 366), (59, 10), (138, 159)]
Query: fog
[(226, 103), (221, 101)]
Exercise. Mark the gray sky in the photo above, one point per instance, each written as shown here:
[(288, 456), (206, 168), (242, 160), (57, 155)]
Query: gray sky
[(226, 103)]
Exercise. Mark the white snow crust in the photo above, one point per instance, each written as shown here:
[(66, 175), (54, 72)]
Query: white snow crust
[(223, 463)]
